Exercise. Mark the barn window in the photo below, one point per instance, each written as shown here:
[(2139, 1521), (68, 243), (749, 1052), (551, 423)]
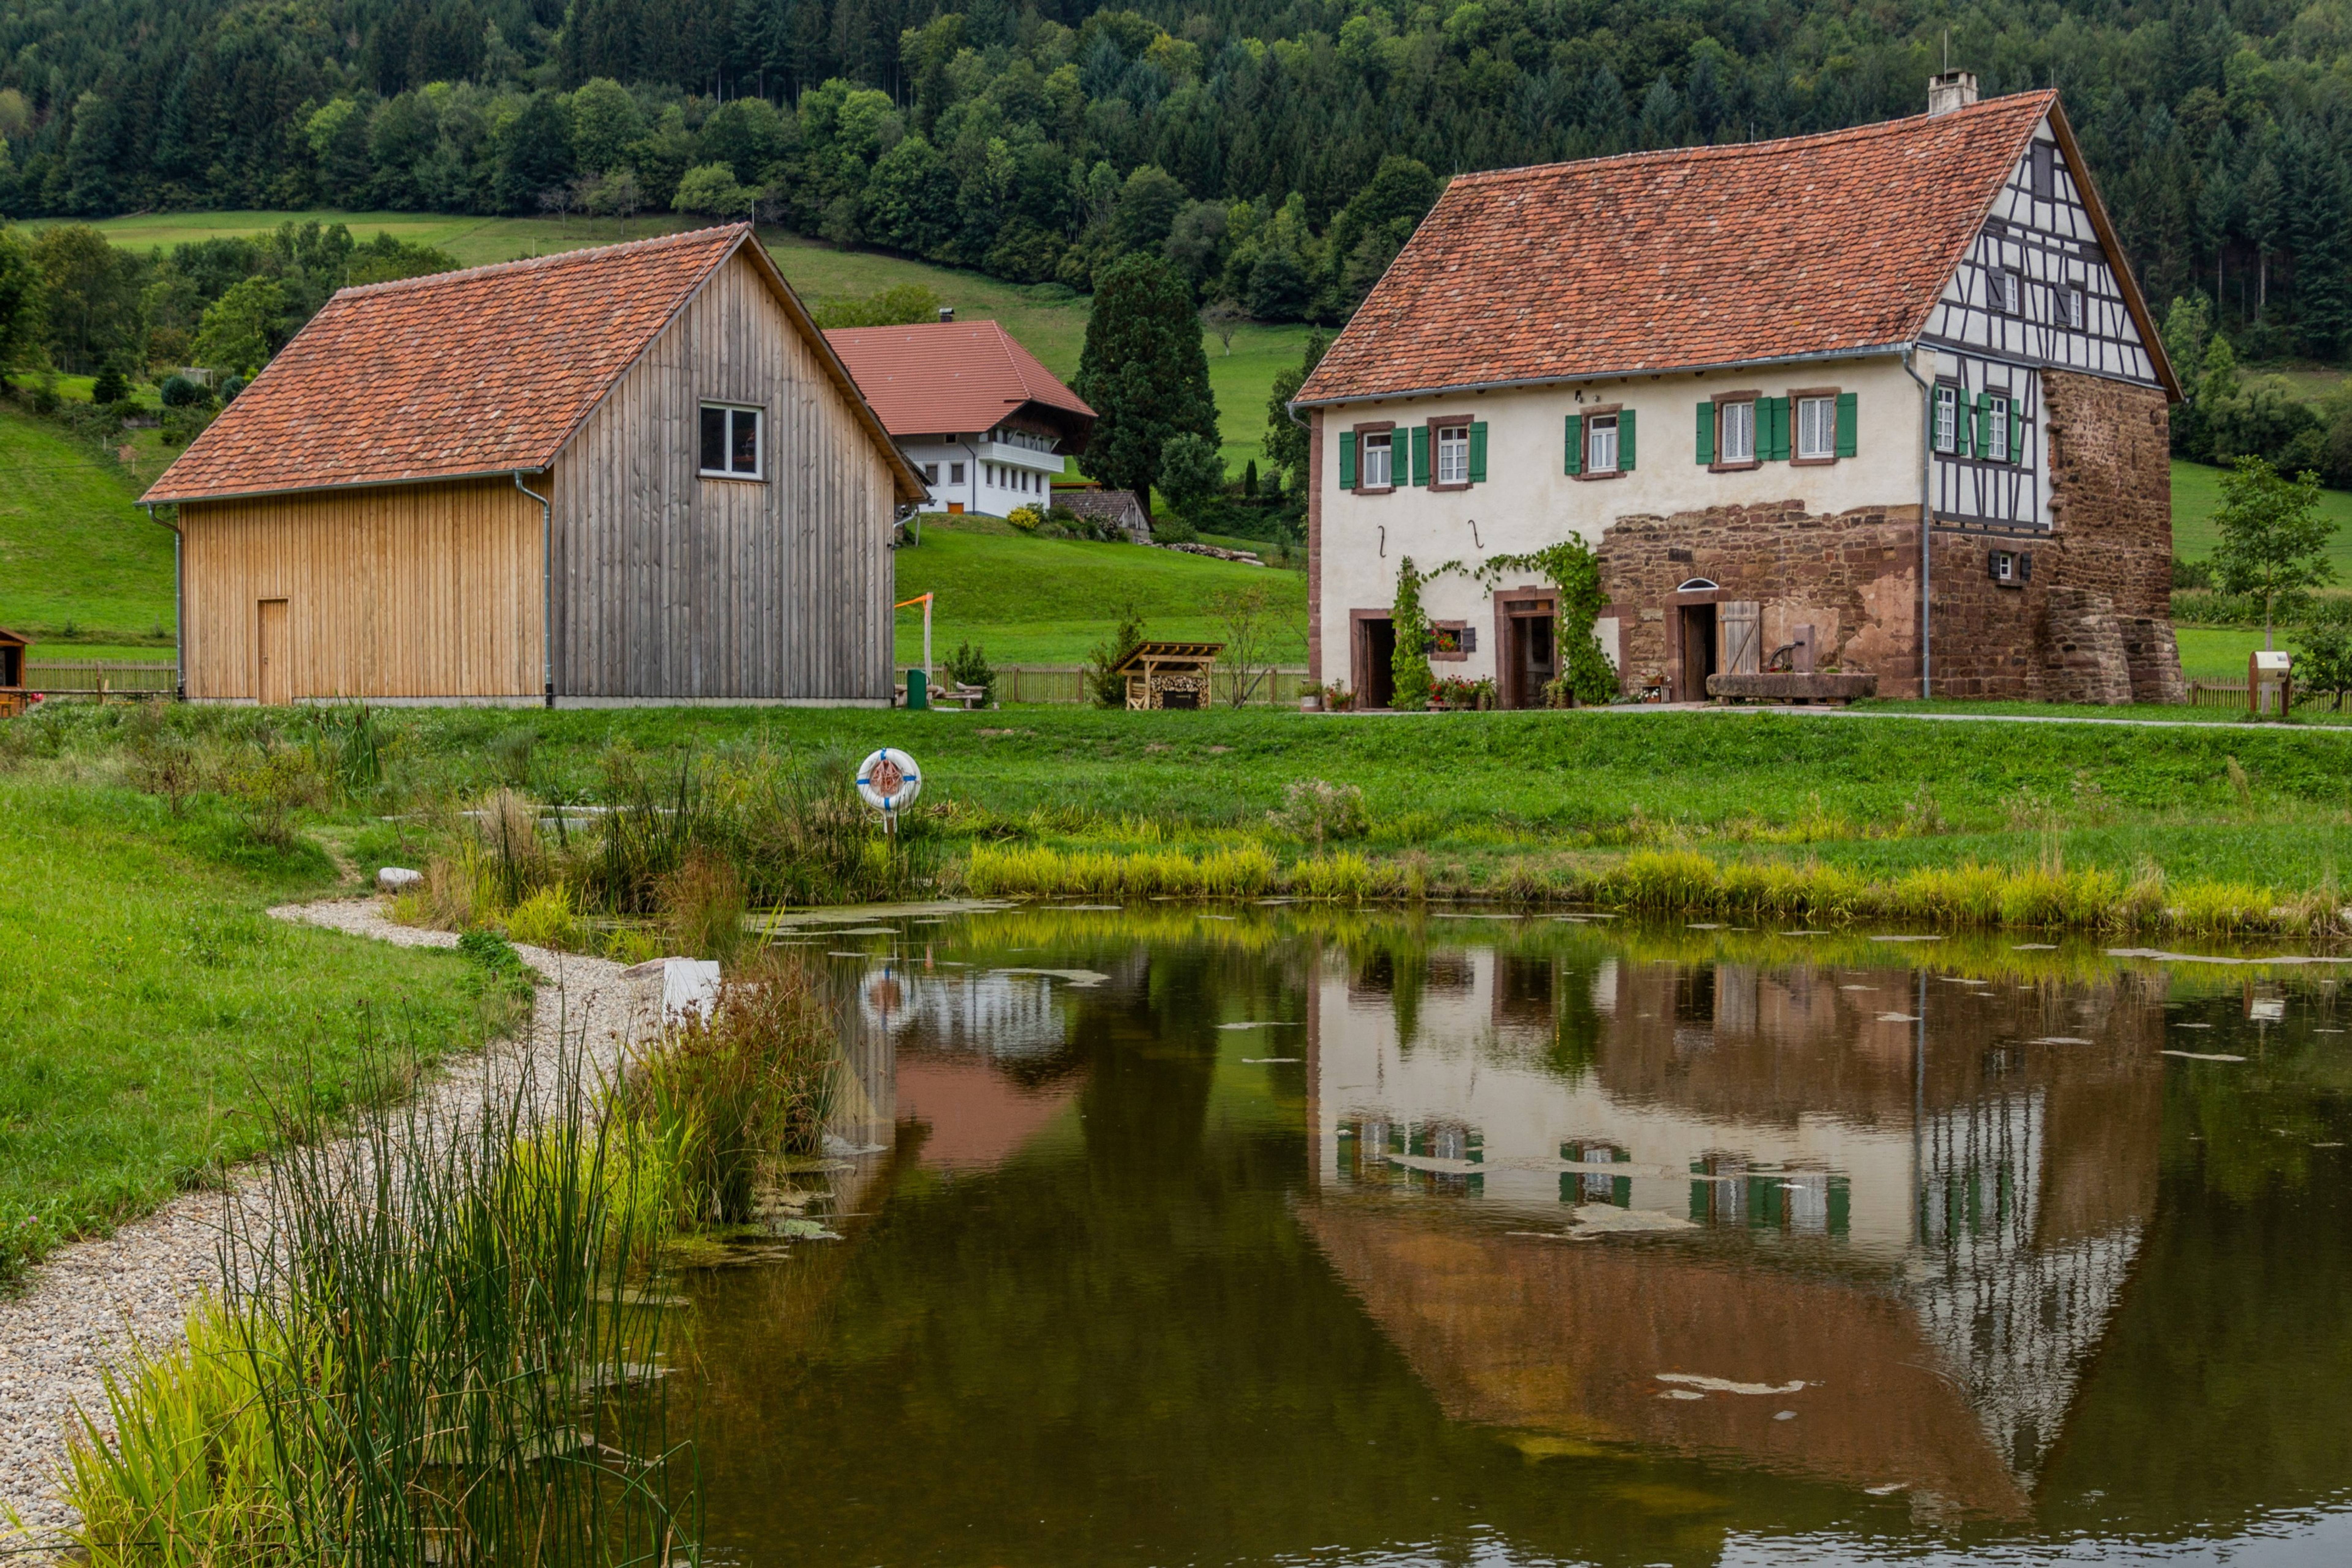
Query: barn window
[(730, 441), (2007, 292), (955, 473), (2069, 296), (930, 473)]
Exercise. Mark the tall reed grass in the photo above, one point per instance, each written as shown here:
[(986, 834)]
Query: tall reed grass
[(725, 1095), (1039, 869), (426, 1353), (1968, 895)]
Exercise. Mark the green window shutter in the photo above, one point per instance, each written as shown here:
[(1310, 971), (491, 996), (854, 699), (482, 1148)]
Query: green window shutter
[(1347, 459), (1705, 434), (1575, 446), (1849, 415), (1625, 442), (1964, 425), (1420, 454), (1478, 452), (1771, 429), (1984, 422), (2016, 432)]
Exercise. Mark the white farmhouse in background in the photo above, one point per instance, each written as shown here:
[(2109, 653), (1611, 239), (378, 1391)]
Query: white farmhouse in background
[(984, 423)]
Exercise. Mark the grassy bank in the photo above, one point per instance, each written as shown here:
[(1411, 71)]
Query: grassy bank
[(1538, 804), (150, 1010)]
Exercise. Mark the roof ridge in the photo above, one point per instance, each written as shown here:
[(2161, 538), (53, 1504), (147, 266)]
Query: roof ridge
[(1735, 149), (554, 259)]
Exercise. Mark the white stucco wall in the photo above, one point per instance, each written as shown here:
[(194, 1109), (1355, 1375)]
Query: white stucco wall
[(1528, 502), (983, 462)]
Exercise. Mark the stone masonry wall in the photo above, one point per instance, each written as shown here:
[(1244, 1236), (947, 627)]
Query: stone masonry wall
[(1854, 576), (2088, 622)]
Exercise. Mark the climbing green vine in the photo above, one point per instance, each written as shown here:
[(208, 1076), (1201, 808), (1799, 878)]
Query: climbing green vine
[(1409, 665), (1572, 568)]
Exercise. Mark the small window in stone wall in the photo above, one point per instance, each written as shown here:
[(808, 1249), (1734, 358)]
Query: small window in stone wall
[(2010, 568)]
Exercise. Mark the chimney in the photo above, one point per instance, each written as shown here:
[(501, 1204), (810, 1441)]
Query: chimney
[(1953, 89), (947, 312)]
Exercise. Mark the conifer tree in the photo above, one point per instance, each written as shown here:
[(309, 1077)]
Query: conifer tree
[(1145, 372)]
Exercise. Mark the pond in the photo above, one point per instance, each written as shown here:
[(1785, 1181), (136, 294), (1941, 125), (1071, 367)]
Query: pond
[(1176, 1236)]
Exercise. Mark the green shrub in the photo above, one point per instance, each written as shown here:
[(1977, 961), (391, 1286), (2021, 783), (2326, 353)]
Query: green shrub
[(181, 392), (968, 666), (110, 387), (1315, 810), (1104, 683), (724, 1096)]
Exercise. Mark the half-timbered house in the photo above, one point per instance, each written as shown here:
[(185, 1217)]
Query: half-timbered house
[(1745, 375), (631, 474)]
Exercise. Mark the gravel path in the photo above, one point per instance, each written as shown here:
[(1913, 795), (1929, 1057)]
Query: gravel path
[(89, 1303)]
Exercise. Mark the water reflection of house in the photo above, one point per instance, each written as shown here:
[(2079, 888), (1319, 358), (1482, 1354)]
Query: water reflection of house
[(1907, 1195), (972, 1056)]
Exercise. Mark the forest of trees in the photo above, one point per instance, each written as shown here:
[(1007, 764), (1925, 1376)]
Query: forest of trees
[(1276, 151)]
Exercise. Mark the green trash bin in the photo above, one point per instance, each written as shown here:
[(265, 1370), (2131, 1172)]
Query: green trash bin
[(918, 688)]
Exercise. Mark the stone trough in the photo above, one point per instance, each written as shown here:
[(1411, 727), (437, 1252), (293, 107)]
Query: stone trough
[(1788, 686)]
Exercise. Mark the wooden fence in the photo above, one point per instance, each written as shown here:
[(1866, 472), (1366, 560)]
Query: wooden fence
[(2232, 694), (101, 677), (1067, 684), (1044, 683)]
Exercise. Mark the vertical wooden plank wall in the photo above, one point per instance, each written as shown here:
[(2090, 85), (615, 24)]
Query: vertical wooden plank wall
[(670, 585), (397, 590)]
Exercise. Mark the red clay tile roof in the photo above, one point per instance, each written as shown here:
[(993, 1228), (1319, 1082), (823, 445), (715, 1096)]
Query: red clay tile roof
[(479, 372), (939, 378), (1684, 259)]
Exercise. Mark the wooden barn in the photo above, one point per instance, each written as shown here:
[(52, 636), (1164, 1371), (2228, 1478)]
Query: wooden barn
[(635, 474)]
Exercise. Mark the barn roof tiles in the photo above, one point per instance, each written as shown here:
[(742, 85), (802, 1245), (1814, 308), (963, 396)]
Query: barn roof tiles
[(937, 378), (478, 371), (1682, 260)]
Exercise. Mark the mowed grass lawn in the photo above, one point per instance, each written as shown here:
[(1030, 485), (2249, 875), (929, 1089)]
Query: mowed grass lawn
[(151, 1011), (1509, 783), (1049, 600)]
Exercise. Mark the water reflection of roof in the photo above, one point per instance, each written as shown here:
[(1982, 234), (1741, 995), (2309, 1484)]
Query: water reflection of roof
[(1556, 1337), (1994, 1182), (976, 1117)]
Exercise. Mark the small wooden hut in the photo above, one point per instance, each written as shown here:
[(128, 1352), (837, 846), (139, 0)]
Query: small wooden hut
[(1170, 674), (13, 698)]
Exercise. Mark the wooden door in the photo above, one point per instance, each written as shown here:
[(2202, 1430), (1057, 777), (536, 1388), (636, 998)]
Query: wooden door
[(1699, 650), (275, 685), (1740, 623), (1533, 656)]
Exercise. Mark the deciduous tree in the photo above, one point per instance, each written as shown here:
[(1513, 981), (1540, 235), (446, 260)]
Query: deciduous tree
[(2274, 539)]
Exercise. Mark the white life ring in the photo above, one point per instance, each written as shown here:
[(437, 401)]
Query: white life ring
[(888, 781)]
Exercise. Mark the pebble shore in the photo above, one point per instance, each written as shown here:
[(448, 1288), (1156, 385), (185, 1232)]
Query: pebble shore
[(90, 1304)]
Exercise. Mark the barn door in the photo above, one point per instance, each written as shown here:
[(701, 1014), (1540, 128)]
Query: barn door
[(276, 686), (1740, 623)]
